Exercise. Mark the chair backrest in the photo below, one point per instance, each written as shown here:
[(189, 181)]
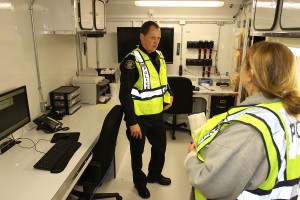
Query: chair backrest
[(182, 89), (104, 150)]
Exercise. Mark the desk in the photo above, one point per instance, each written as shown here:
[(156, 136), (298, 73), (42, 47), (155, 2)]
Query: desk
[(206, 92), (20, 181)]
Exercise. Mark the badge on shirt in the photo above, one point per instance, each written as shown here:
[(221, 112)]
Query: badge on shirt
[(130, 64)]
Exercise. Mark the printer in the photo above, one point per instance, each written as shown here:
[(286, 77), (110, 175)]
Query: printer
[(92, 86)]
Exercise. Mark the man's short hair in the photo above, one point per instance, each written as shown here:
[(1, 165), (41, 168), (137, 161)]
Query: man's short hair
[(146, 26)]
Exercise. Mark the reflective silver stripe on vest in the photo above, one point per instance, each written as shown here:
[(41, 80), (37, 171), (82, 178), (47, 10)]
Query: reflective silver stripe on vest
[(285, 190), (144, 68), (277, 193), (136, 94), (224, 121)]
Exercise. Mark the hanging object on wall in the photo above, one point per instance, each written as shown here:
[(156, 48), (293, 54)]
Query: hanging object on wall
[(211, 46), (207, 48)]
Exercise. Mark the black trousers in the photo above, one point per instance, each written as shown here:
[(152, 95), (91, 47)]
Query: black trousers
[(153, 127)]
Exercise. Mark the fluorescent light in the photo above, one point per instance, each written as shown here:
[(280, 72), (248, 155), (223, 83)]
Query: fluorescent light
[(291, 5), (180, 3), (5, 6)]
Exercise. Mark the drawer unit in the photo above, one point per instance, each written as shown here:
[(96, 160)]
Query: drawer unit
[(60, 103), (220, 104), (65, 93), (67, 110), (65, 99)]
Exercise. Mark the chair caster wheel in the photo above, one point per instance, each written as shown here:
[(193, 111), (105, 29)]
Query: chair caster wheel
[(119, 198), (173, 138)]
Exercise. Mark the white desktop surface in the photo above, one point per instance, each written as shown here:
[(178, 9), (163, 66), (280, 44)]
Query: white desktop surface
[(207, 91), (20, 181), (211, 90)]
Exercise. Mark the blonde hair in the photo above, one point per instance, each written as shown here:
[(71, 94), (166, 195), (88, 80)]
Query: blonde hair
[(275, 73)]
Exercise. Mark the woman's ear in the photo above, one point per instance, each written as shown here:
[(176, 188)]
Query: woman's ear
[(250, 75)]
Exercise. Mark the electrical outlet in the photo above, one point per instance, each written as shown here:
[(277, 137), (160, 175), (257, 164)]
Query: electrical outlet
[(188, 62), (192, 44), (199, 62), (189, 44), (194, 62)]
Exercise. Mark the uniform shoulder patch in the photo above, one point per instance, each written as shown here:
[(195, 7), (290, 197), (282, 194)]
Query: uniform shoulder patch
[(130, 64)]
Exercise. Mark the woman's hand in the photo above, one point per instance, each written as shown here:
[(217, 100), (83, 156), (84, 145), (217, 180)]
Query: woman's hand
[(192, 147)]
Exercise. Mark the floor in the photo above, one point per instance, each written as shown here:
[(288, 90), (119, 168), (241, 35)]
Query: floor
[(175, 155)]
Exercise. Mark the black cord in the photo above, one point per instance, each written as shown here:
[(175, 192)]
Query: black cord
[(18, 141), (34, 144)]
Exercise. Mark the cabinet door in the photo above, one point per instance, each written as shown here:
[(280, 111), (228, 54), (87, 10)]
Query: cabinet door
[(289, 13), (265, 14), (220, 104), (99, 15), (85, 14), (55, 16)]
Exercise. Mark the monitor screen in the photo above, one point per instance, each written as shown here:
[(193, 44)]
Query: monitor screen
[(129, 37), (14, 111)]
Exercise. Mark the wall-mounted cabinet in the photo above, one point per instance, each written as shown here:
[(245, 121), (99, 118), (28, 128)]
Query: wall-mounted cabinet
[(276, 18), (265, 15), (70, 16), (289, 14), (85, 14)]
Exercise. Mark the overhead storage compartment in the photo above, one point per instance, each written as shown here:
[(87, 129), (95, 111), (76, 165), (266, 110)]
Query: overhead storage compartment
[(86, 17), (276, 18)]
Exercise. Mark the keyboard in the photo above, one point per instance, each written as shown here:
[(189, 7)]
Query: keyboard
[(58, 156)]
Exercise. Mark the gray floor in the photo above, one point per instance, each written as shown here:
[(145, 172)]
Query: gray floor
[(175, 155)]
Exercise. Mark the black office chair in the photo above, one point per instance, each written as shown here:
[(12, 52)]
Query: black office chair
[(182, 88), (103, 158)]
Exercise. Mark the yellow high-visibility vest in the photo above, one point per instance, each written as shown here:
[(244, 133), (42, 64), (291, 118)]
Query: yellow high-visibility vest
[(267, 119), (150, 91)]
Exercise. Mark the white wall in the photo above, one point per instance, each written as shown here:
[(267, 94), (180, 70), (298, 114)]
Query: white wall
[(191, 32), (56, 55)]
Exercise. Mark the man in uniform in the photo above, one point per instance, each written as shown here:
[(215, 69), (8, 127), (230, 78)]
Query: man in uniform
[(144, 94)]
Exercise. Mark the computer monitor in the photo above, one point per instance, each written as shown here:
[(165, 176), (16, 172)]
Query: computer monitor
[(129, 37), (14, 112)]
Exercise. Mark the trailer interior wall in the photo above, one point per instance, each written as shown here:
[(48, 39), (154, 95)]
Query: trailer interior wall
[(56, 54), (190, 32)]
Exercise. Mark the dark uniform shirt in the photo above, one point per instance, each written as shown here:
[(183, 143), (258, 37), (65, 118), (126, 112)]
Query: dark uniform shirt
[(129, 76)]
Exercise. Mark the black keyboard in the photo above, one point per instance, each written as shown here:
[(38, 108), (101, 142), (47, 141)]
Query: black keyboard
[(57, 158)]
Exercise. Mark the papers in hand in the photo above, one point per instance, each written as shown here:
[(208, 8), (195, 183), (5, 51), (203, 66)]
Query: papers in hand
[(196, 122)]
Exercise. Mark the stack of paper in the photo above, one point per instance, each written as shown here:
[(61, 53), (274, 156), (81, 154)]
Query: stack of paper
[(196, 122)]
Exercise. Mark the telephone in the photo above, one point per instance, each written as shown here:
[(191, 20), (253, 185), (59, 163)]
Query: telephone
[(47, 124)]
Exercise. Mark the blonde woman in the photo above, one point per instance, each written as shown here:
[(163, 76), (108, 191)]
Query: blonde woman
[(252, 152)]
